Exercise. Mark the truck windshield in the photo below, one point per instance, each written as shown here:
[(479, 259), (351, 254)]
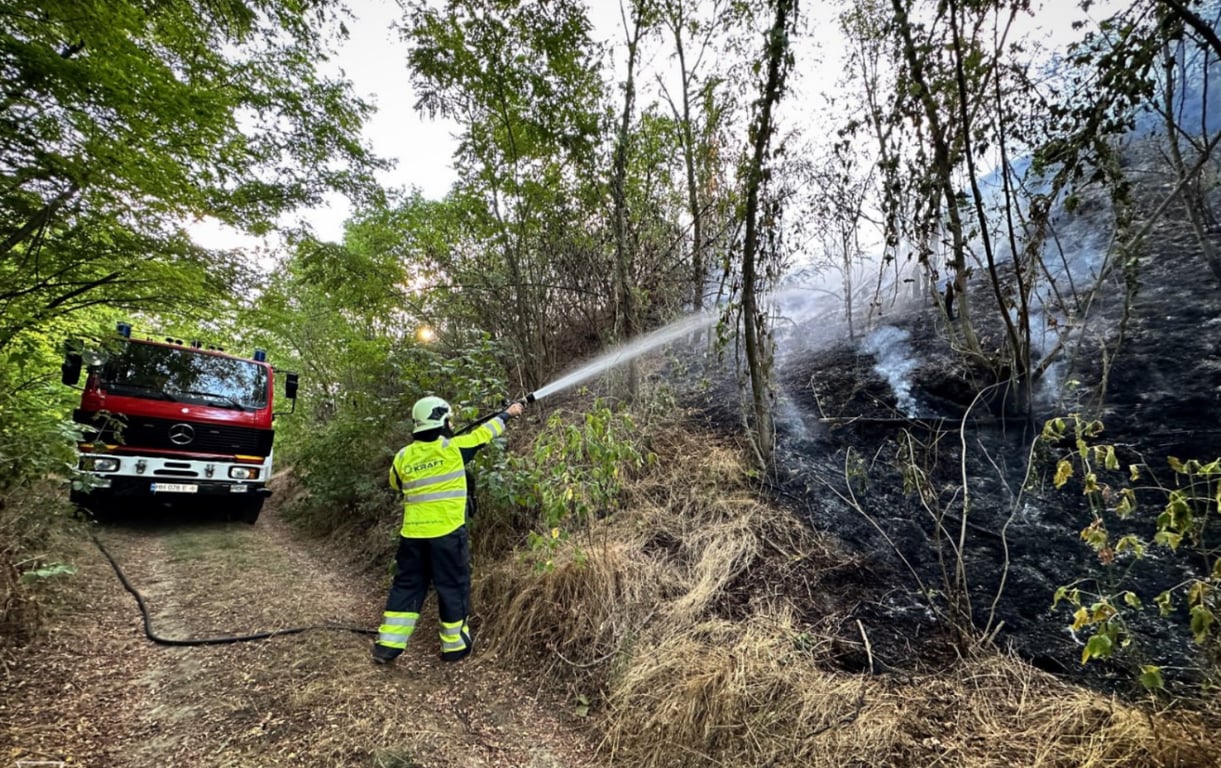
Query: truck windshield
[(181, 374)]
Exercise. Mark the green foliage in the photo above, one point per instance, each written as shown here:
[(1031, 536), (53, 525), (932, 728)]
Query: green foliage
[(1120, 537), (120, 122), (36, 439), (522, 81), (326, 461), (123, 120), (37, 456), (49, 571), (348, 317), (582, 707), (574, 471), (522, 73), (342, 454)]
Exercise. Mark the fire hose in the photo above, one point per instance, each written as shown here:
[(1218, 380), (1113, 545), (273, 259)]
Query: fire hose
[(230, 639), (528, 399), (226, 640)]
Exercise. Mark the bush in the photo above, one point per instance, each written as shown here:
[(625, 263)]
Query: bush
[(573, 472), (37, 456), (342, 455), (1179, 534)]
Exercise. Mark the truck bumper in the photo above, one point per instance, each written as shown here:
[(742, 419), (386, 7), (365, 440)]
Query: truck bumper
[(128, 476), (139, 487)]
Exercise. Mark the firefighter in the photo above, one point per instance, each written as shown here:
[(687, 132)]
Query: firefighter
[(430, 473)]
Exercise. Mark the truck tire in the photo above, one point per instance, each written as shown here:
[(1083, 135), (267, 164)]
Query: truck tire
[(247, 510)]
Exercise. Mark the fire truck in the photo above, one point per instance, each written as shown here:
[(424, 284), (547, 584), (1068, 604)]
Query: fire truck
[(173, 422)]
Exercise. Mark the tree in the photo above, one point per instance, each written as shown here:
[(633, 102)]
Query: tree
[(520, 77), (122, 121), (349, 316), (698, 114), (840, 198), (966, 111), (941, 195), (872, 65), (625, 316), (760, 215), (1183, 57)]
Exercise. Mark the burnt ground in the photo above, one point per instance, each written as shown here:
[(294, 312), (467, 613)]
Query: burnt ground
[(846, 452)]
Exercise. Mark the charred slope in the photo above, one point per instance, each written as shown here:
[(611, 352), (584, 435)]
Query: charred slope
[(853, 462)]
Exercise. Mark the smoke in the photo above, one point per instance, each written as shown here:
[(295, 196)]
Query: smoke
[(809, 316), (631, 350), (895, 362), (790, 419)]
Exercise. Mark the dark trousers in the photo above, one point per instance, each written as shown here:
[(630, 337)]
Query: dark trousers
[(445, 563)]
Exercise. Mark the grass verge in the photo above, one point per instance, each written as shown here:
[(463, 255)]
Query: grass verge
[(38, 533), (678, 620)]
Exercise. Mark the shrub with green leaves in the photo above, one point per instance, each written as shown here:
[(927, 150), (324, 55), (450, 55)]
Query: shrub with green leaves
[(342, 454), (37, 438), (573, 472), (37, 457), (1121, 536)]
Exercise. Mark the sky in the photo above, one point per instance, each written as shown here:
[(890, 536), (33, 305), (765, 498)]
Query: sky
[(373, 58)]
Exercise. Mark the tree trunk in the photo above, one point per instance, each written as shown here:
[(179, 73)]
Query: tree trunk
[(626, 315), (943, 170), (1194, 203), (758, 357)]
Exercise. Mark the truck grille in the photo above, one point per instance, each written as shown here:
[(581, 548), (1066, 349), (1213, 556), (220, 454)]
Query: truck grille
[(169, 434)]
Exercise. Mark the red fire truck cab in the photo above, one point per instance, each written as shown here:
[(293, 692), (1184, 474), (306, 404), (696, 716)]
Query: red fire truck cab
[(173, 421)]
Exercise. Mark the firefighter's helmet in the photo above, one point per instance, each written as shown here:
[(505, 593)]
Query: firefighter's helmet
[(430, 413)]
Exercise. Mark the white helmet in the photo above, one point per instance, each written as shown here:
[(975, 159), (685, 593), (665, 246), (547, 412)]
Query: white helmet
[(430, 413)]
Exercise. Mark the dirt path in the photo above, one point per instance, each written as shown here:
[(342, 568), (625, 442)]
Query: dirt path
[(96, 693)]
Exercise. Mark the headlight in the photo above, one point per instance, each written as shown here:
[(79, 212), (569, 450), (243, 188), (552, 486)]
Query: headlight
[(99, 463), (244, 473)]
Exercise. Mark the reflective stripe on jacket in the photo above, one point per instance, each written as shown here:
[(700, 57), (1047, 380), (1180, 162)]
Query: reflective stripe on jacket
[(431, 475)]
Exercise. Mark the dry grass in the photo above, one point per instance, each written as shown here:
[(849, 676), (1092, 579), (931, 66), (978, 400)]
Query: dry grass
[(685, 680), (35, 519), (726, 694), (663, 563), (581, 614)]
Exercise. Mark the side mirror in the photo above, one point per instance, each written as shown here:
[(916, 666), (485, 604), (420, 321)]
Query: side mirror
[(290, 386), (70, 369)]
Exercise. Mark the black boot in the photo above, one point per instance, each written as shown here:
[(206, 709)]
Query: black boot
[(383, 654), (462, 654)]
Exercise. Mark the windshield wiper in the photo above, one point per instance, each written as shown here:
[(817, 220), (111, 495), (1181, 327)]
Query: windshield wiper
[(214, 395)]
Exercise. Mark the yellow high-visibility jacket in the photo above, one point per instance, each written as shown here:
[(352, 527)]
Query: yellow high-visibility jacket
[(431, 475)]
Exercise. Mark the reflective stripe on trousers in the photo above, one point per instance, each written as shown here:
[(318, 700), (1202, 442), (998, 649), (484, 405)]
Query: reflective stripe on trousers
[(396, 629), (453, 636)]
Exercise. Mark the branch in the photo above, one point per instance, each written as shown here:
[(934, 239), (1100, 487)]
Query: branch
[(38, 219), (83, 289), (1201, 27)]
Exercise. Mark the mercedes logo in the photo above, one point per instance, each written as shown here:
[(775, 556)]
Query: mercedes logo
[(181, 434)]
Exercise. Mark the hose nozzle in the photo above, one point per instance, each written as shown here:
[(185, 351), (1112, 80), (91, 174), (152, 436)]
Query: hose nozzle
[(524, 401)]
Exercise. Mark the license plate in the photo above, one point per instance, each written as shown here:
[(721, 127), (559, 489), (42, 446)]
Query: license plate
[(238, 489), (174, 488)]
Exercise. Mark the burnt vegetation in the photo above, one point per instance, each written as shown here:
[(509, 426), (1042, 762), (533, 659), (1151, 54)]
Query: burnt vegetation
[(936, 482)]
